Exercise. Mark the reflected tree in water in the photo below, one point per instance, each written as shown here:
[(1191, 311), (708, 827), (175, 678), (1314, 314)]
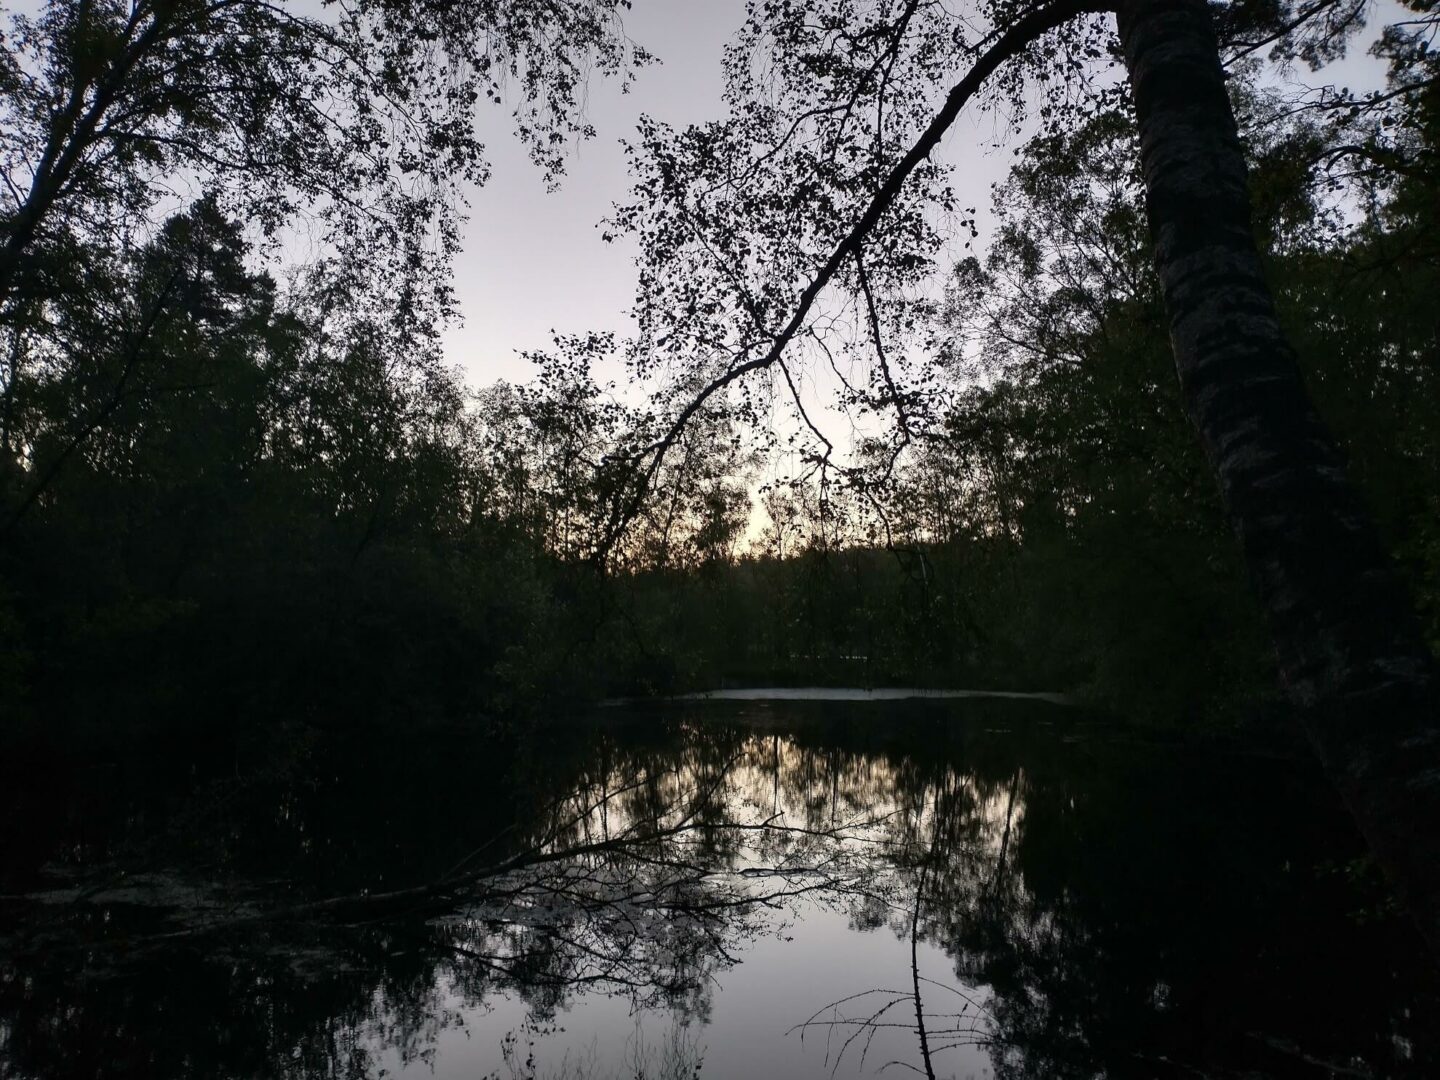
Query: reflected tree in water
[(645, 879), (1056, 875)]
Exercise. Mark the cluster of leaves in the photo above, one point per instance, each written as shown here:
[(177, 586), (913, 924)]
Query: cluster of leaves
[(785, 249), (353, 125)]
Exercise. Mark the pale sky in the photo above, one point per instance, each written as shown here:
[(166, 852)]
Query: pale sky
[(534, 262)]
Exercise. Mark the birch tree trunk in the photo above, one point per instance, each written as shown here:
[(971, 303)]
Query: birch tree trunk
[(1350, 651)]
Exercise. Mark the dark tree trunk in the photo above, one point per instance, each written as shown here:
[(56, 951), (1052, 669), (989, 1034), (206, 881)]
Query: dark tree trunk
[(1350, 652)]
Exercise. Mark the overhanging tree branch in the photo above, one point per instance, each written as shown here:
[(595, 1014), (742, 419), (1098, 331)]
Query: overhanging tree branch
[(1008, 45)]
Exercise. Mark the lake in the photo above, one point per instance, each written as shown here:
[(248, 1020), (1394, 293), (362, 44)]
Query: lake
[(738, 888)]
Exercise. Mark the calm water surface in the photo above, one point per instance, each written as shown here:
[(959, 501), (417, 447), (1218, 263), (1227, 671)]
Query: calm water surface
[(733, 889)]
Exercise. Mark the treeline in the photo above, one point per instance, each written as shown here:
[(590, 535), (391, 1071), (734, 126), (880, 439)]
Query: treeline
[(231, 495)]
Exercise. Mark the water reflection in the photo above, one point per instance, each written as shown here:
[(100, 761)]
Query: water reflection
[(734, 890)]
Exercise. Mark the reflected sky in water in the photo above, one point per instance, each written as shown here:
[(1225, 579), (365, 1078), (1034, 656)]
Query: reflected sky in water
[(782, 889)]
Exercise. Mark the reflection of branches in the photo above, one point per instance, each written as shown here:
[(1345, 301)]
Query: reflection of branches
[(647, 878), (915, 980), (642, 881), (938, 1031), (651, 908), (930, 846), (934, 1031)]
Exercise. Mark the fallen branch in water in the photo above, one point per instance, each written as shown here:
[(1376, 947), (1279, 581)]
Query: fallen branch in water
[(620, 888)]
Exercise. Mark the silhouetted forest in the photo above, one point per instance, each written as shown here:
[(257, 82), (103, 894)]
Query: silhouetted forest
[(236, 492)]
